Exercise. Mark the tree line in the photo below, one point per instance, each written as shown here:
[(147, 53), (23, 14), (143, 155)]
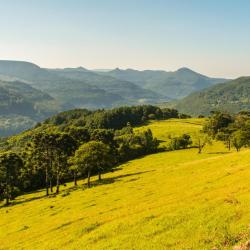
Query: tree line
[(76, 144), (233, 130)]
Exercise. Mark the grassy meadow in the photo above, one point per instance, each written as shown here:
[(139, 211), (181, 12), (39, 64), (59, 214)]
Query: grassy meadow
[(173, 127), (169, 200)]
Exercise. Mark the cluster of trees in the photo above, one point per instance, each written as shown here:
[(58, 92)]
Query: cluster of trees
[(74, 145), (116, 118), (233, 130), (198, 140), (179, 142)]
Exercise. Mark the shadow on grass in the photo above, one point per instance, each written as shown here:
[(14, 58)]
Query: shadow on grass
[(218, 153), (66, 192), (111, 180), (16, 202)]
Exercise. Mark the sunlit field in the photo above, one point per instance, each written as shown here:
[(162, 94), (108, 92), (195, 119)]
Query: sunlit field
[(173, 127), (169, 200)]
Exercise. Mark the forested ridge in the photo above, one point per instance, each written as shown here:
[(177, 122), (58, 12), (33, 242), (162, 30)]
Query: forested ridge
[(22, 106), (232, 97)]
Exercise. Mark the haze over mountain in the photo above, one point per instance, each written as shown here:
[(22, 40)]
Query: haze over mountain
[(129, 92), (233, 96), (35, 93), (176, 85), (79, 87), (22, 106)]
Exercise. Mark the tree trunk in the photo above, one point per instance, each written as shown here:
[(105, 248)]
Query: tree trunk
[(47, 181), (75, 180), (199, 152), (100, 177), (51, 167), (7, 200), (7, 194), (51, 186), (57, 183), (89, 174)]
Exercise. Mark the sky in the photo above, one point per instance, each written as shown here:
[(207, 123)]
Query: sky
[(209, 36)]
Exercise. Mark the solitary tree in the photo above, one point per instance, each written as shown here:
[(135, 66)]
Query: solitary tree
[(10, 164), (200, 140), (238, 140)]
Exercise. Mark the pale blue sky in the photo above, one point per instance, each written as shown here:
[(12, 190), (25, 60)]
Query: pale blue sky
[(209, 36)]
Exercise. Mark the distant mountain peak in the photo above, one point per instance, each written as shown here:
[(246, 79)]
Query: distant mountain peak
[(10, 63), (82, 68), (185, 70)]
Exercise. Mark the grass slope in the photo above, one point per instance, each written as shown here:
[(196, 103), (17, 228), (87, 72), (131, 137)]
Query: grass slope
[(173, 127), (170, 200)]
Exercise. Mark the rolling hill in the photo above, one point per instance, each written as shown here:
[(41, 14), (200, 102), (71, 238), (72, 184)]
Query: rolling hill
[(62, 89), (21, 106), (169, 200), (232, 96), (126, 89), (175, 85), (79, 87), (34, 93)]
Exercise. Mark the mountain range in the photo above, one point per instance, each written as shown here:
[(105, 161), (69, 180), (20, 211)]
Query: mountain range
[(175, 85), (29, 91)]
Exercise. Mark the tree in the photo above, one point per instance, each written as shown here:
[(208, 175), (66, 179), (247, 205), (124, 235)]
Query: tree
[(79, 134), (225, 135), (92, 157), (42, 148), (238, 140), (10, 165), (74, 170), (64, 146), (148, 143), (180, 142), (200, 140), (106, 136), (216, 122)]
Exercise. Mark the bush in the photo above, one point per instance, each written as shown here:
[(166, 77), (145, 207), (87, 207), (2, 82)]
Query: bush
[(180, 142)]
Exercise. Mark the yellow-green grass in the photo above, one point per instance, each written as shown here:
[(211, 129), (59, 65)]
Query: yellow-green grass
[(169, 200), (173, 127)]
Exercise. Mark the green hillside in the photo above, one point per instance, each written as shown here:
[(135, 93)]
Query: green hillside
[(233, 96), (175, 85), (21, 106), (168, 200)]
